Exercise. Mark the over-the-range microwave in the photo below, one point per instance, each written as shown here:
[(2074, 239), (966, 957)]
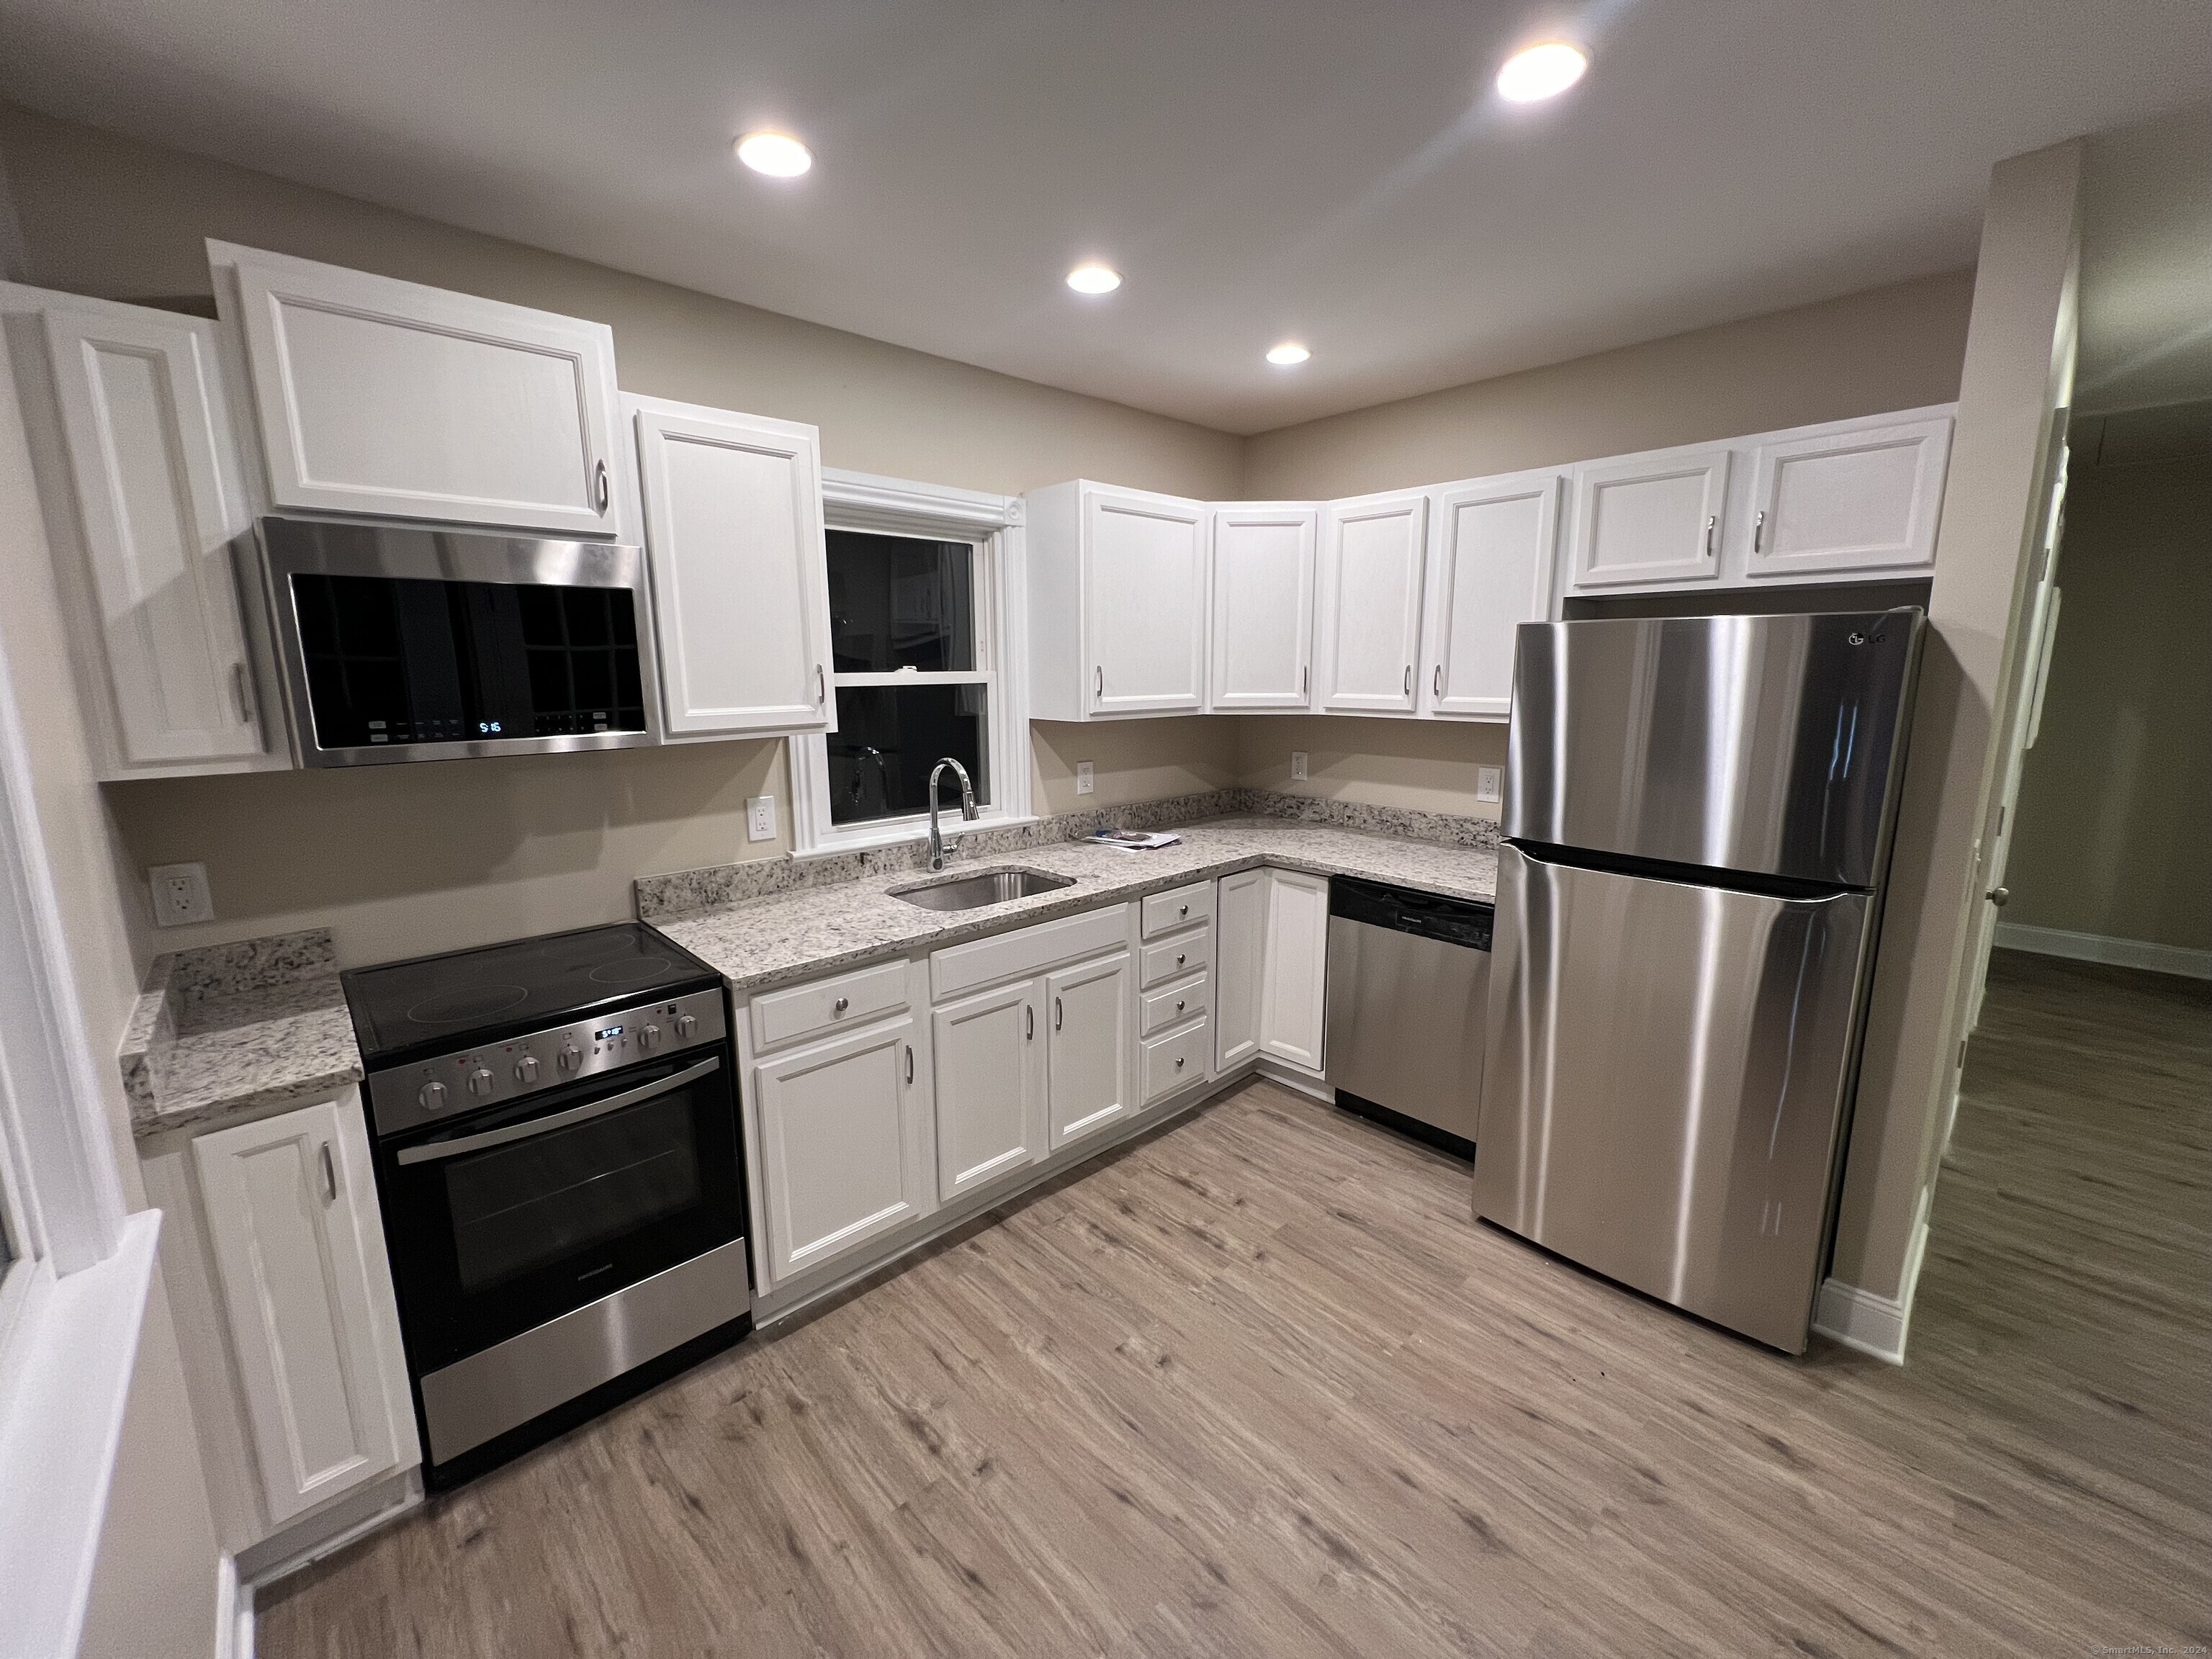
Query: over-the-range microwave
[(410, 643)]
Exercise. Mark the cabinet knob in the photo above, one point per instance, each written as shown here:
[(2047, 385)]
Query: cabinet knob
[(840, 1004), (1181, 960), (481, 1080), (1179, 1062), (1186, 909), (2000, 896), (1178, 1005)]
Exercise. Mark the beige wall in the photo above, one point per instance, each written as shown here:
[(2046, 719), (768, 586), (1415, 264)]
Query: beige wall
[(1890, 348), (1426, 765), (1131, 760), (2116, 796)]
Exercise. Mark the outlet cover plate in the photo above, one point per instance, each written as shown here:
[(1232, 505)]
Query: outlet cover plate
[(1085, 779), (1489, 783), (760, 817), (180, 894), (1297, 764)]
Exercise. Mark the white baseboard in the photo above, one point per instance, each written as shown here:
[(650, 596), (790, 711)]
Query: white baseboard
[(2097, 947), (1874, 1324), (1295, 1077)]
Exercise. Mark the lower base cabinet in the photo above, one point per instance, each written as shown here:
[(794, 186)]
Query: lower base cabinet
[(990, 1087), (842, 1125), (1239, 939), (1294, 967), (1088, 1076)]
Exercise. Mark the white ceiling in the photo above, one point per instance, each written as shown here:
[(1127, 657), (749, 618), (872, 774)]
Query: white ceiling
[(1260, 169), (2147, 265)]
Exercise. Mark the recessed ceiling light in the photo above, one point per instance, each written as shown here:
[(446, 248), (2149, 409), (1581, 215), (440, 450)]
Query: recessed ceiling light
[(778, 155), (1539, 72), (1286, 354), (1094, 279)]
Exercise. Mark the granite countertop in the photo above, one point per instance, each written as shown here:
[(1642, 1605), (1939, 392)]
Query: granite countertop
[(233, 1029), (762, 942)]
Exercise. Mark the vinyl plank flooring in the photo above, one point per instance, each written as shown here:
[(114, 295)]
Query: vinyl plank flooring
[(1259, 1386)]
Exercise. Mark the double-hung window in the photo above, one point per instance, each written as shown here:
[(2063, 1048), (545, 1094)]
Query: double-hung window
[(923, 582)]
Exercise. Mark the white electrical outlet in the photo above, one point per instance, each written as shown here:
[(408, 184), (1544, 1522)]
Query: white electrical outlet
[(760, 818), (1488, 783), (1297, 764), (1085, 779), (180, 894)]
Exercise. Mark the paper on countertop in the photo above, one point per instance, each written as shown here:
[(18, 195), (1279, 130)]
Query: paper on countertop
[(1136, 841)]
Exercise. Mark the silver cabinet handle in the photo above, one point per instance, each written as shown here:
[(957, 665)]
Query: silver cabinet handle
[(1028, 1023), (1306, 679), (238, 692), (1713, 523), (438, 1150), (1056, 1012), (1436, 682), (821, 686), (1758, 529), (330, 1176), (1098, 681), (1409, 679), (909, 1062), (2000, 896), (600, 492)]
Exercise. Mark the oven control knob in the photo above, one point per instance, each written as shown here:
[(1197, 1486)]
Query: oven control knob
[(480, 1080), (650, 1038), (685, 1025), (432, 1097), (571, 1058), (525, 1069)]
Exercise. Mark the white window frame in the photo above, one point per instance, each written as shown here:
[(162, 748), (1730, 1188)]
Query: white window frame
[(992, 526)]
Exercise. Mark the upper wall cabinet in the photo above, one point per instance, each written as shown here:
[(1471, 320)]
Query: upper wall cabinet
[(740, 577), (1117, 603), (139, 478), (1645, 519), (1852, 499), (1492, 545), (390, 398), (1372, 551), (1263, 586)]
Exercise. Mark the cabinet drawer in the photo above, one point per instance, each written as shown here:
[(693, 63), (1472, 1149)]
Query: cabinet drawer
[(1175, 1059), (1027, 951), (1179, 906), (1172, 1005), (1176, 957), (782, 1017)]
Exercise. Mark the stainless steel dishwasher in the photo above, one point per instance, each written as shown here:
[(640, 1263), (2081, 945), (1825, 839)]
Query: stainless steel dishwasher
[(1408, 1002)]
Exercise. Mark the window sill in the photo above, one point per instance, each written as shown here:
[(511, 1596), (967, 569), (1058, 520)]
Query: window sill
[(906, 831)]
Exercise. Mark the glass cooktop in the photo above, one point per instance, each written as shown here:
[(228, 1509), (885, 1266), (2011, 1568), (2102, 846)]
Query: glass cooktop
[(435, 1003)]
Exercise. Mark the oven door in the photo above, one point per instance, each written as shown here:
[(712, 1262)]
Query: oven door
[(508, 1219)]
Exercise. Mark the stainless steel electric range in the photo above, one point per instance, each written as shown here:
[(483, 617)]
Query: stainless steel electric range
[(557, 1160)]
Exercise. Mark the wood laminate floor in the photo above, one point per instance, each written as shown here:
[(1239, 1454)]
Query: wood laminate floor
[(1257, 1386)]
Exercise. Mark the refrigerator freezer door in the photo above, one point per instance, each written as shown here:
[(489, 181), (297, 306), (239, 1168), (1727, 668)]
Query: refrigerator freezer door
[(1666, 1073), (1769, 744)]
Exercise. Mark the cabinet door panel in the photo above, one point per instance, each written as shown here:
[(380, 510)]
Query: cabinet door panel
[(389, 398), (1087, 1083), (1650, 519), (990, 1086), (286, 1215), (1240, 927), (159, 503), (1145, 599), (1294, 977), (840, 1149), (1857, 501), (1492, 572), (1372, 557), (1263, 579), (740, 571)]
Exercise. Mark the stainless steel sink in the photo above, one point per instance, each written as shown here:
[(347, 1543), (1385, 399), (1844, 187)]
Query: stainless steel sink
[(984, 887)]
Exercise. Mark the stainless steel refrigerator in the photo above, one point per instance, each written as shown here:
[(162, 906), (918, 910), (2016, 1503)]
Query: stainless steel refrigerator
[(1697, 817)]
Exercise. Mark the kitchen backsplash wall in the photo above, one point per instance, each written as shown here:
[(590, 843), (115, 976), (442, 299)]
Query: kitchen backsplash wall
[(1427, 766), (1131, 760)]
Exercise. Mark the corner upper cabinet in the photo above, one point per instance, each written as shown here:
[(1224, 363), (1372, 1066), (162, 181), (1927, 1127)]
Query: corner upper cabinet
[(1373, 549), (1117, 603), (1649, 520), (740, 572), (392, 399), (1263, 587), (1856, 498), (144, 497), (1495, 542)]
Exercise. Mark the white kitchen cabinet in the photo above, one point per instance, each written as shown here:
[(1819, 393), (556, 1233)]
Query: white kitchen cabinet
[(1117, 582), (1294, 968), (1263, 590), (145, 504), (1495, 543), (394, 400), (1372, 551), (292, 1218), (1240, 926), (1853, 499), (1650, 520), (991, 1086), (740, 569), (1088, 1053), (842, 1125)]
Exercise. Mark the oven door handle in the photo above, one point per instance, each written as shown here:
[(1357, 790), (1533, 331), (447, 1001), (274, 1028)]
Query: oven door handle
[(538, 1125)]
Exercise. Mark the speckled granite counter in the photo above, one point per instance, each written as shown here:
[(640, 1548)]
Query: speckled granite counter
[(797, 935), (233, 1029)]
